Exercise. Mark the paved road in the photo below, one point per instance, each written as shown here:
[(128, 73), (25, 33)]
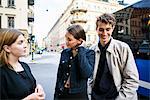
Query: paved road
[(45, 74)]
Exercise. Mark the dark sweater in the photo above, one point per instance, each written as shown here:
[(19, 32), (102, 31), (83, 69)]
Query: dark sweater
[(104, 84), (16, 85)]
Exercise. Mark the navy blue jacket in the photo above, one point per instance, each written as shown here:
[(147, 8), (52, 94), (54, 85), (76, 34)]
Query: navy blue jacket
[(79, 68)]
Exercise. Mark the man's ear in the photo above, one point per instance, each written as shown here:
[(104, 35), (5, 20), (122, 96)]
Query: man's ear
[(113, 27), (6, 48)]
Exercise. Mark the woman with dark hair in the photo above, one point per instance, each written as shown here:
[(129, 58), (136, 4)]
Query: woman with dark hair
[(16, 79), (75, 67)]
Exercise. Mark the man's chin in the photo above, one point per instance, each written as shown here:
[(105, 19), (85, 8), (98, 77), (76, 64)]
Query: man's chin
[(105, 42)]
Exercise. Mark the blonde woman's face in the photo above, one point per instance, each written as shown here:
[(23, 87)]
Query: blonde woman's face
[(18, 48)]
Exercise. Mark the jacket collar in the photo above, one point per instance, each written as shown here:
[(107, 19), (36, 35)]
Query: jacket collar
[(97, 49), (67, 50), (110, 47)]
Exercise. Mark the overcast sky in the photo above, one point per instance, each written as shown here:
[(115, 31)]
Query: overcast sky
[(48, 11), (46, 14)]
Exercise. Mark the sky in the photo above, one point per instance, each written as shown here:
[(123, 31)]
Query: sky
[(47, 12)]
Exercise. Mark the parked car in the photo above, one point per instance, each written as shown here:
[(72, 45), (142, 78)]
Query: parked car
[(39, 51), (144, 50)]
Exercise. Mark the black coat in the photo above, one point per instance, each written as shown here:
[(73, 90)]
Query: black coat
[(14, 85)]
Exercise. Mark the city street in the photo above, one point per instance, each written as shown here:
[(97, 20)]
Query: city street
[(44, 68), (43, 27)]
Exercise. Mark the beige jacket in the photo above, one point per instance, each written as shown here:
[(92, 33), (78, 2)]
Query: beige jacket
[(122, 66)]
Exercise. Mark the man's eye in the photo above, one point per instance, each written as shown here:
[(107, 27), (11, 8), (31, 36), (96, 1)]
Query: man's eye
[(101, 30), (108, 29)]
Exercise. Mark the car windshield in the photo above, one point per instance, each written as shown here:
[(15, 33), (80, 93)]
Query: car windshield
[(144, 51), (144, 46)]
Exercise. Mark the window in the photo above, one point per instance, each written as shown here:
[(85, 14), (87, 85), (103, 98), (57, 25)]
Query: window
[(105, 0), (126, 21), (11, 3), (127, 31), (31, 2), (0, 22), (89, 38), (11, 22)]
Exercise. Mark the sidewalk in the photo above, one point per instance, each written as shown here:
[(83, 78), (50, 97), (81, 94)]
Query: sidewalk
[(46, 57)]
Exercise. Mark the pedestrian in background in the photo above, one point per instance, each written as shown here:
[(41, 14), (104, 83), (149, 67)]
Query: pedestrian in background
[(16, 79), (75, 67), (115, 74)]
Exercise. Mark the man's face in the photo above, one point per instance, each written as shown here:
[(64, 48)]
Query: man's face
[(104, 32)]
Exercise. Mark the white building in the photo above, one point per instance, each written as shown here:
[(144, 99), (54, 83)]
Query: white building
[(83, 12), (17, 14)]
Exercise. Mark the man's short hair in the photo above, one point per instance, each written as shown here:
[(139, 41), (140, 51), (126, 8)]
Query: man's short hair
[(106, 18)]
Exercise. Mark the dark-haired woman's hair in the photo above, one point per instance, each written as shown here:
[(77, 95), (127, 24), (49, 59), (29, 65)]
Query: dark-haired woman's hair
[(77, 31)]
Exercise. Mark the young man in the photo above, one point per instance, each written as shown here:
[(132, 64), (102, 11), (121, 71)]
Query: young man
[(115, 75)]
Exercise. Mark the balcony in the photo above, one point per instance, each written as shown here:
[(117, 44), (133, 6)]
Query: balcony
[(78, 9), (11, 6), (78, 19), (31, 2)]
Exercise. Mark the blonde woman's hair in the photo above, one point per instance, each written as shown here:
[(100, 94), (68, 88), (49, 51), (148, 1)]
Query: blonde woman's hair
[(7, 37)]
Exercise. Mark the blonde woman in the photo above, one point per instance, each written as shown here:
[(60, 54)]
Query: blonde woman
[(16, 79)]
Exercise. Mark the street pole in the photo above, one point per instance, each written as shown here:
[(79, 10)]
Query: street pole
[(32, 43), (32, 50), (32, 46)]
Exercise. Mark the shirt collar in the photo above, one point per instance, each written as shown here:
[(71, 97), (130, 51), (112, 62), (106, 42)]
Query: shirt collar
[(103, 48)]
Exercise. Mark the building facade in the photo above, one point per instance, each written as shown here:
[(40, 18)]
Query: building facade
[(17, 14), (133, 24), (133, 27), (84, 13)]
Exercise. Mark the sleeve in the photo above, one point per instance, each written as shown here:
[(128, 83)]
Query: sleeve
[(130, 77), (3, 91), (59, 74), (86, 61)]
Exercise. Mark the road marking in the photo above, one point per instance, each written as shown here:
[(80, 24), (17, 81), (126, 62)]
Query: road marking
[(145, 84)]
